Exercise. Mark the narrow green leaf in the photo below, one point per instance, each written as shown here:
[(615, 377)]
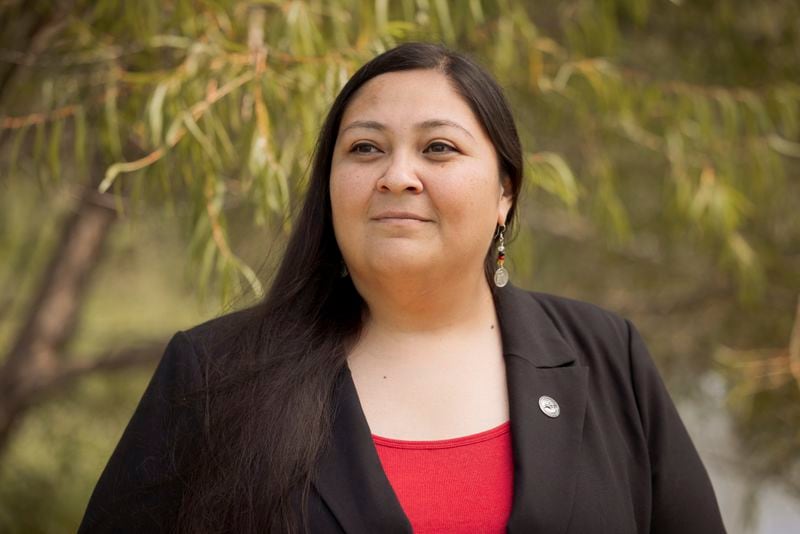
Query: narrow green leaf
[(38, 144), (174, 130), (16, 145), (381, 15), (80, 140), (550, 172), (783, 146), (112, 124), (476, 9), (155, 113), (252, 279), (207, 260), (221, 134), (202, 138), (445, 22), (54, 149)]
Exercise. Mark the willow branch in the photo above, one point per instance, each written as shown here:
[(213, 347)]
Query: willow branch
[(196, 111), (15, 123)]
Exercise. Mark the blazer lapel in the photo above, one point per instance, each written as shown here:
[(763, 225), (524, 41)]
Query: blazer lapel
[(539, 362), (350, 478)]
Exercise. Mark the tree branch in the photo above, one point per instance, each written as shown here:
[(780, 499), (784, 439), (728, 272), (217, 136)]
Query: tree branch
[(46, 28), (34, 358), (144, 353), (794, 346)]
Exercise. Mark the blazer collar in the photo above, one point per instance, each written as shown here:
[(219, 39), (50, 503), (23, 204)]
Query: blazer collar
[(528, 332), (539, 362)]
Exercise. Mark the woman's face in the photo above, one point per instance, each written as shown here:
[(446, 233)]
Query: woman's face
[(415, 185)]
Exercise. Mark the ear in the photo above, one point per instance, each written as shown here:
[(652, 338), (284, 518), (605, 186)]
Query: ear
[(505, 201)]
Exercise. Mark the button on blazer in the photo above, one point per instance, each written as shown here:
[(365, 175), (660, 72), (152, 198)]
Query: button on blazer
[(617, 459)]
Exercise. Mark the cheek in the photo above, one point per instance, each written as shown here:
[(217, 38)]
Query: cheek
[(470, 201), (350, 195), (342, 187)]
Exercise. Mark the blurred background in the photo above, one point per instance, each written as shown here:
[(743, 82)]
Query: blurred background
[(153, 153)]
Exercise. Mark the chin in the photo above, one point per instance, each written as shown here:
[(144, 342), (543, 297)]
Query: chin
[(402, 262), (399, 264)]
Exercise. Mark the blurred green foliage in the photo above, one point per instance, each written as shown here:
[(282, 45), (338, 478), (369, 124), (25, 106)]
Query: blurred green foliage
[(663, 154)]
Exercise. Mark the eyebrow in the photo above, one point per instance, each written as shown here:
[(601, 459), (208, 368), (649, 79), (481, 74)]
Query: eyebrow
[(424, 125)]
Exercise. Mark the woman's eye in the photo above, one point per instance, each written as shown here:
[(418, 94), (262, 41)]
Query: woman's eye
[(440, 148), (364, 148)]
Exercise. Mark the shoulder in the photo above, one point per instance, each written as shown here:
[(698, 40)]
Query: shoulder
[(567, 311), (600, 337), (192, 352), (554, 331), (228, 325), (583, 325), (216, 337), (607, 343)]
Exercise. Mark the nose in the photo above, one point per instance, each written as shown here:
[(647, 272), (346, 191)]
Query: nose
[(400, 176)]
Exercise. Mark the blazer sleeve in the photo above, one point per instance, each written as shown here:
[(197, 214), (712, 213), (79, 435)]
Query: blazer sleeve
[(683, 499), (140, 488)]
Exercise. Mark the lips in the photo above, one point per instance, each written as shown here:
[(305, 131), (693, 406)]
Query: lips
[(399, 215)]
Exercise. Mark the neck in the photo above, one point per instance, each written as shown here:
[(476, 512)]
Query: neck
[(430, 306)]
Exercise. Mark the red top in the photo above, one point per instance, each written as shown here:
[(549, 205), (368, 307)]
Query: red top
[(457, 485)]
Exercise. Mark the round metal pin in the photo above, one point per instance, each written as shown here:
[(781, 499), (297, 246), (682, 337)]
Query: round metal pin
[(549, 406)]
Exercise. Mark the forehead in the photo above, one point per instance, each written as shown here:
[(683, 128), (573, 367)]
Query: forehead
[(407, 97)]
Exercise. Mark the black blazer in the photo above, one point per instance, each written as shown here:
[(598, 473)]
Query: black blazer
[(617, 459)]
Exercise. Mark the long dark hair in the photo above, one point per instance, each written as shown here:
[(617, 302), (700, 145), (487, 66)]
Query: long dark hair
[(270, 375)]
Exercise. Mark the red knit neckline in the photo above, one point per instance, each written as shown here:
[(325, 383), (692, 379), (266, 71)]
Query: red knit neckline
[(459, 441)]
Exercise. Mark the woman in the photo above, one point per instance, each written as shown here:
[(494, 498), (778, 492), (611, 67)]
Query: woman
[(390, 380)]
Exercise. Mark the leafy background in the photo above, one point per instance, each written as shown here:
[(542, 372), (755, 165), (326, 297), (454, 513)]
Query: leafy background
[(153, 154)]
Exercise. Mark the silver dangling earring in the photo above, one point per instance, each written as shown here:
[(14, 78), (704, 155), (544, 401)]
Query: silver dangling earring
[(501, 274), (343, 272)]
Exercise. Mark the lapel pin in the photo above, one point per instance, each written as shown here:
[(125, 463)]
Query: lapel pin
[(549, 406)]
